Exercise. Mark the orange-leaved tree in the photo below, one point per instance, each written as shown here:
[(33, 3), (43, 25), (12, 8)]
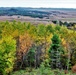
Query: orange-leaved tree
[(24, 44)]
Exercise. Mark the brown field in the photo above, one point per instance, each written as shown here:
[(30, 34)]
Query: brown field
[(25, 19)]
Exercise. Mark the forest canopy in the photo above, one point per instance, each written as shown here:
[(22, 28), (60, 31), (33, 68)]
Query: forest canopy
[(25, 45)]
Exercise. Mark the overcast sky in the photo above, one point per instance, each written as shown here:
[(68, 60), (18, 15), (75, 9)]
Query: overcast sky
[(39, 3)]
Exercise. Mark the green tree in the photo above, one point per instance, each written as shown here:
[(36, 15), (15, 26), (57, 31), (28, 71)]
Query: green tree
[(55, 52), (31, 56), (41, 30), (50, 29)]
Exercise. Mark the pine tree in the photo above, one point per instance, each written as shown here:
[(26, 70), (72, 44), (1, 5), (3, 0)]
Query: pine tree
[(55, 52)]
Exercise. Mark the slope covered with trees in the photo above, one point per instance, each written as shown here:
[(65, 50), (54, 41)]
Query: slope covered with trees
[(25, 45)]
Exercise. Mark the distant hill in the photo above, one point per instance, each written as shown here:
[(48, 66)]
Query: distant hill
[(33, 12)]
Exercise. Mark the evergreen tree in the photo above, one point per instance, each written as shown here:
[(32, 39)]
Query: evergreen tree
[(31, 57), (55, 52)]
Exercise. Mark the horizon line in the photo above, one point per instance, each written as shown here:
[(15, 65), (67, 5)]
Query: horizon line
[(35, 7)]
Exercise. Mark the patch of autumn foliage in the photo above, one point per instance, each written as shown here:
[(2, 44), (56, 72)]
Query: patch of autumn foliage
[(25, 43), (74, 69)]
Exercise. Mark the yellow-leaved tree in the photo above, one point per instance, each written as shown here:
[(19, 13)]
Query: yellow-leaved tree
[(7, 55)]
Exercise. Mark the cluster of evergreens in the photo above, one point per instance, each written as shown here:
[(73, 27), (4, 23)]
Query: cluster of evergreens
[(25, 45)]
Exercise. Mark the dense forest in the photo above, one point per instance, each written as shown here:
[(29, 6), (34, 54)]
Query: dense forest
[(37, 49)]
